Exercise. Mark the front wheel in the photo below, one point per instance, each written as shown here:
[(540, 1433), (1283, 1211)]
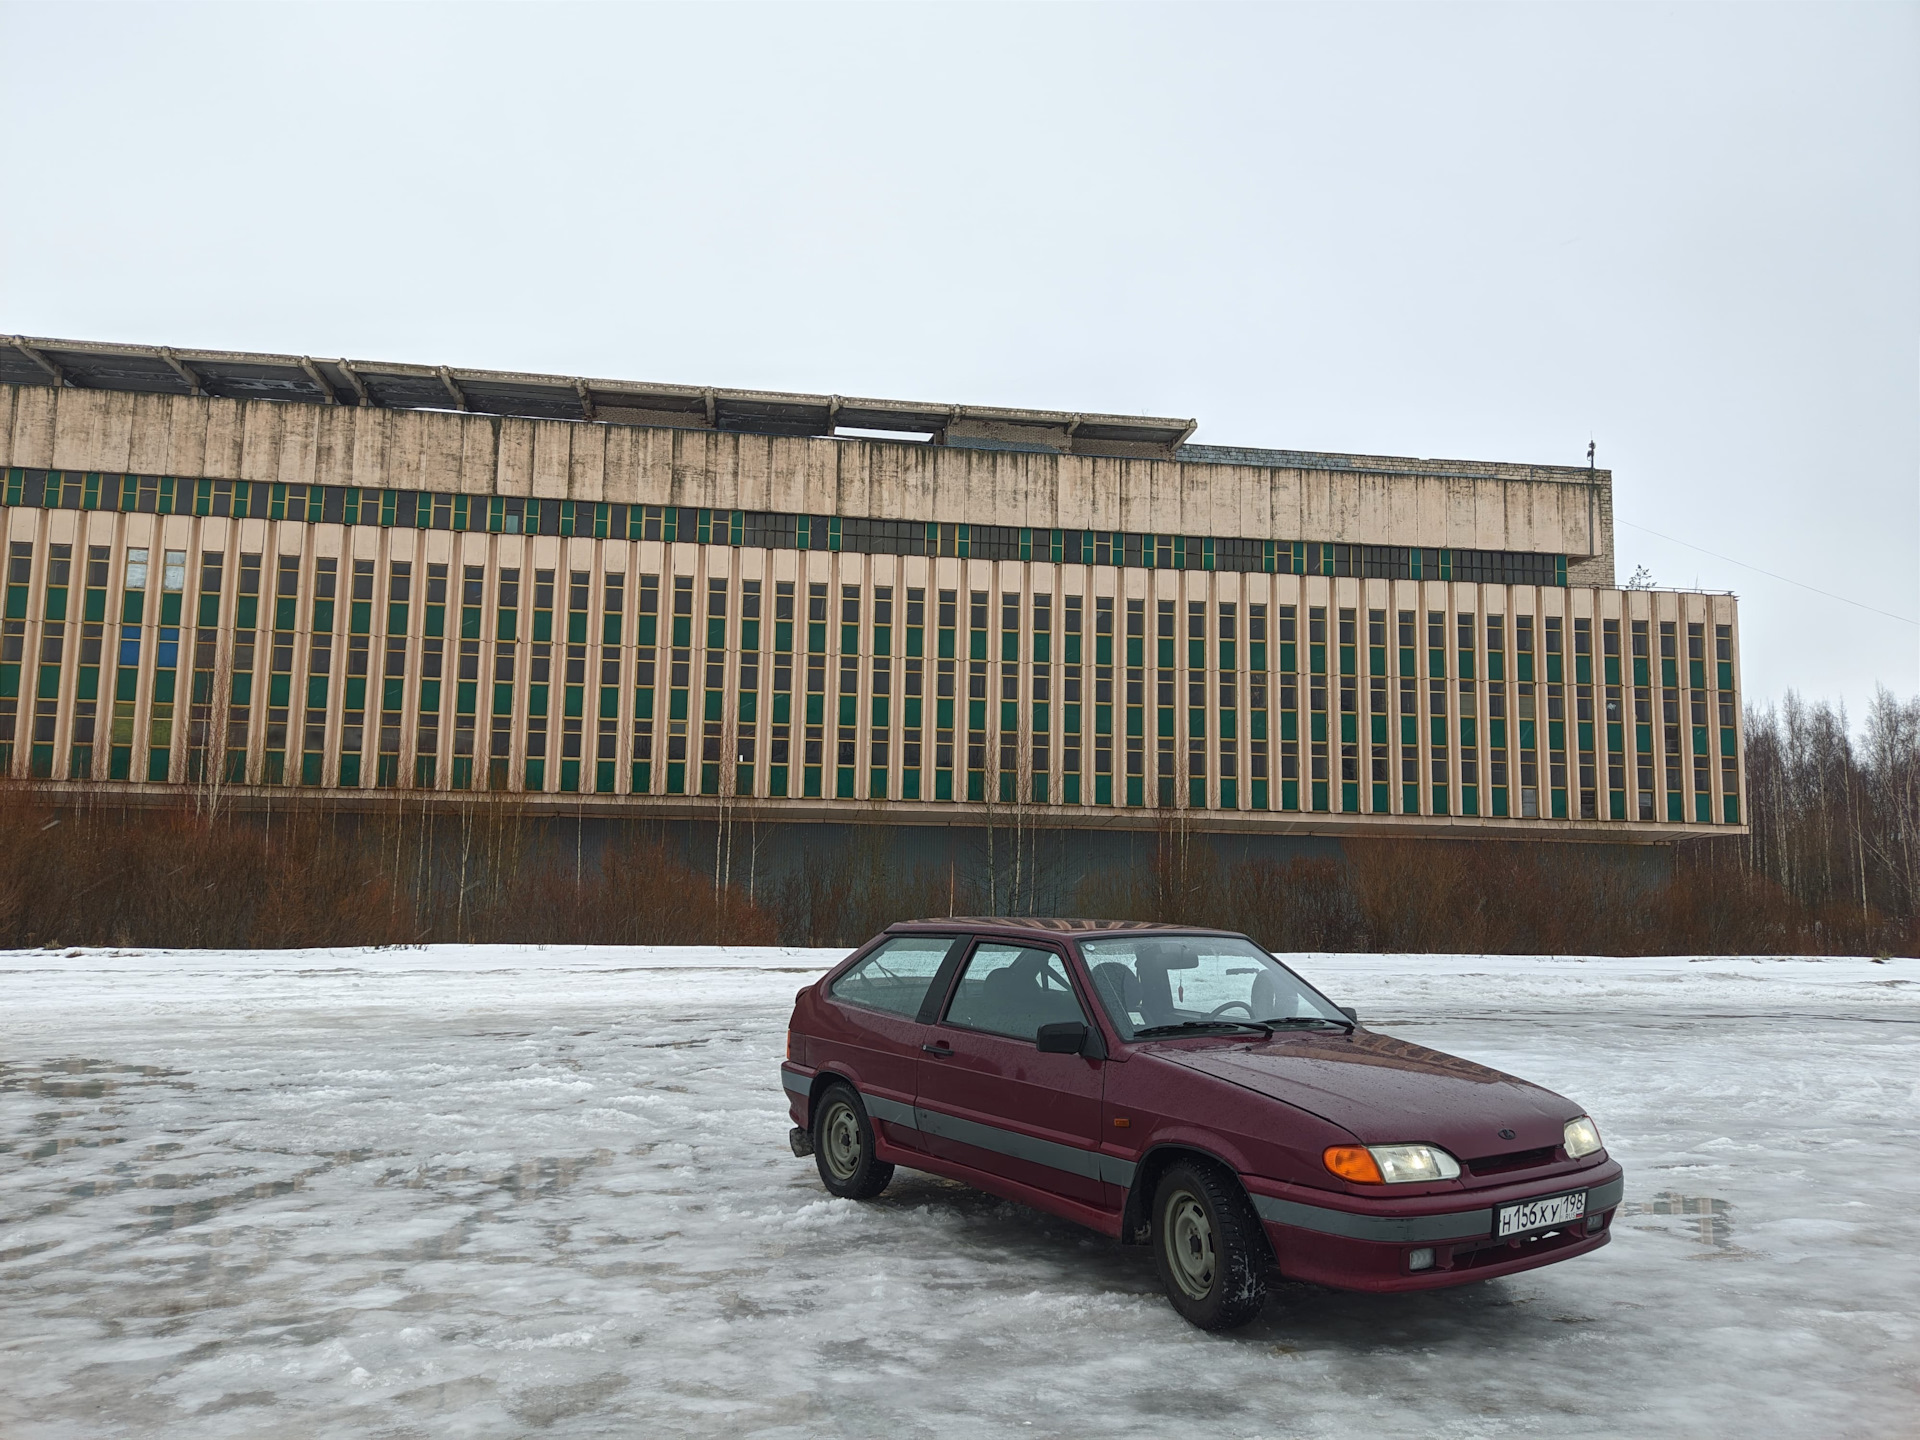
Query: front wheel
[(1208, 1246), (843, 1146)]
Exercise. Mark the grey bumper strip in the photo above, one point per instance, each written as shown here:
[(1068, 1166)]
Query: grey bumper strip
[(1399, 1229), (1070, 1158), (1408, 1229), (1055, 1156), (891, 1111)]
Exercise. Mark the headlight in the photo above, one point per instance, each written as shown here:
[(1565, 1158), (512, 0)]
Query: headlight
[(1390, 1164), (1582, 1138)]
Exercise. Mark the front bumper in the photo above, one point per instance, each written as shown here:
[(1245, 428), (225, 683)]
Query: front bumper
[(1375, 1247)]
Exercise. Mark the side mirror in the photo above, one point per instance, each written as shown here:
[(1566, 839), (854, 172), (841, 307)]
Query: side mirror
[(1063, 1037), (1351, 1013)]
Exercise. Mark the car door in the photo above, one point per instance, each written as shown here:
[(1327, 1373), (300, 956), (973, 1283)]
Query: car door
[(989, 1098), (877, 1018)]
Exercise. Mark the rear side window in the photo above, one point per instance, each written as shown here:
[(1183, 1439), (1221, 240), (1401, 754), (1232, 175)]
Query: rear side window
[(896, 976)]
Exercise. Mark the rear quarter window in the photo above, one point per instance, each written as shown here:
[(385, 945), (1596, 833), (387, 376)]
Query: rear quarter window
[(895, 977)]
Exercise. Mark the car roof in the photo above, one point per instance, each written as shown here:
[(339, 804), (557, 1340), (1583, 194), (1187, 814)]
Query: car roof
[(1045, 926)]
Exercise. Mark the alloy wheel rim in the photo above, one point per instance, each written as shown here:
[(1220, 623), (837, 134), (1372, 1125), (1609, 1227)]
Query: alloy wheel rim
[(1189, 1245), (841, 1137)]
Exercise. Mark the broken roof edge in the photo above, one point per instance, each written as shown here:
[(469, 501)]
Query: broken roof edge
[(247, 375), (232, 374)]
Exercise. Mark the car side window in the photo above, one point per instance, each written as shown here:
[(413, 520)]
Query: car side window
[(896, 976), (1013, 990)]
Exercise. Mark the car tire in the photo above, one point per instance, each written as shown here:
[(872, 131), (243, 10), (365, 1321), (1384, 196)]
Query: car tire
[(1208, 1246), (843, 1149)]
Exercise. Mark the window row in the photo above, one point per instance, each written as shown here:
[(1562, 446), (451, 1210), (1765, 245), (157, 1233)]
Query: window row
[(683, 685), (761, 530)]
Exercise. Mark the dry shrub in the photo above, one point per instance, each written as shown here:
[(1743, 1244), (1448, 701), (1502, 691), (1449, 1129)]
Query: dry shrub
[(306, 876)]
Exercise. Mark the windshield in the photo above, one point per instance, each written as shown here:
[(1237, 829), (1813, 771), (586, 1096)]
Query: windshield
[(1148, 982)]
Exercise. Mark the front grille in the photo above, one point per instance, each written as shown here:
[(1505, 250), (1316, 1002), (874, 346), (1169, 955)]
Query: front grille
[(1513, 1160)]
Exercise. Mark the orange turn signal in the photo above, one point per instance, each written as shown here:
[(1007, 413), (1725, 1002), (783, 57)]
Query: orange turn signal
[(1353, 1162)]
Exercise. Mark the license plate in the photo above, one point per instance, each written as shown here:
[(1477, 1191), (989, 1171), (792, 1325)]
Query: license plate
[(1539, 1214)]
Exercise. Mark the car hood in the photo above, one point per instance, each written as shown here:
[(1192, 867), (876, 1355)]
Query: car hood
[(1384, 1090)]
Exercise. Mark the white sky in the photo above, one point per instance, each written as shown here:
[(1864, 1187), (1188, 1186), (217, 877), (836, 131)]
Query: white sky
[(1454, 232)]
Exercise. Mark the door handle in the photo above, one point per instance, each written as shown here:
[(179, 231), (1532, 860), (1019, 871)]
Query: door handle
[(942, 1051)]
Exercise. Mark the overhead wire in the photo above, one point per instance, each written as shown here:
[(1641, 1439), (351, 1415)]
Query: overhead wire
[(1771, 574)]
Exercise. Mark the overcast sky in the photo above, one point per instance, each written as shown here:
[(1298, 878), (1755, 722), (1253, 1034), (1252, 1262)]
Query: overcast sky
[(1692, 234)]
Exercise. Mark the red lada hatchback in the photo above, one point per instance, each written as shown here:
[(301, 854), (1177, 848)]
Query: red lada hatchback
[(1182, 1088)]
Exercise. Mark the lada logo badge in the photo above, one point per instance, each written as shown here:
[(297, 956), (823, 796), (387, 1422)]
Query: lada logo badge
[(1506, 1134)]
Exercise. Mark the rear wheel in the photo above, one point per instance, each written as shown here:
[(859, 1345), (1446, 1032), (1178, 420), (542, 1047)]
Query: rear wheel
[(843, 1146), (1208, 1246)]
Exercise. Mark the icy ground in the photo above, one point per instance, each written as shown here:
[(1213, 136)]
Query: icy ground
[(487, 1192)]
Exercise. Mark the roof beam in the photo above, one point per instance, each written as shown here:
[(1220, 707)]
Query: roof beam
[(313, 374), (193, 381), (353, 379), (51, 367), (586, 399), (453, 388)]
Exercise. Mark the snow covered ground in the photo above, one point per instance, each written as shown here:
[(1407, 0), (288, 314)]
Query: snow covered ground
[(486, 1191)]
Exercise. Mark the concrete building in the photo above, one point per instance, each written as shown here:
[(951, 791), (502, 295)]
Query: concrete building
[(267, 572)]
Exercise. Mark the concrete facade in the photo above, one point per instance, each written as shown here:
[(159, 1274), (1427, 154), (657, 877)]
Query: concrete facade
[(176, 616), (1352, 499)]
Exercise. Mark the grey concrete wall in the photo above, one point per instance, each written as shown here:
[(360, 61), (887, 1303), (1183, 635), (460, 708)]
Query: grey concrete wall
[(1348, 500)]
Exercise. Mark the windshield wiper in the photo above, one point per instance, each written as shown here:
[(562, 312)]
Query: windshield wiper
[(1346, 1025), (1263, 1026)]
